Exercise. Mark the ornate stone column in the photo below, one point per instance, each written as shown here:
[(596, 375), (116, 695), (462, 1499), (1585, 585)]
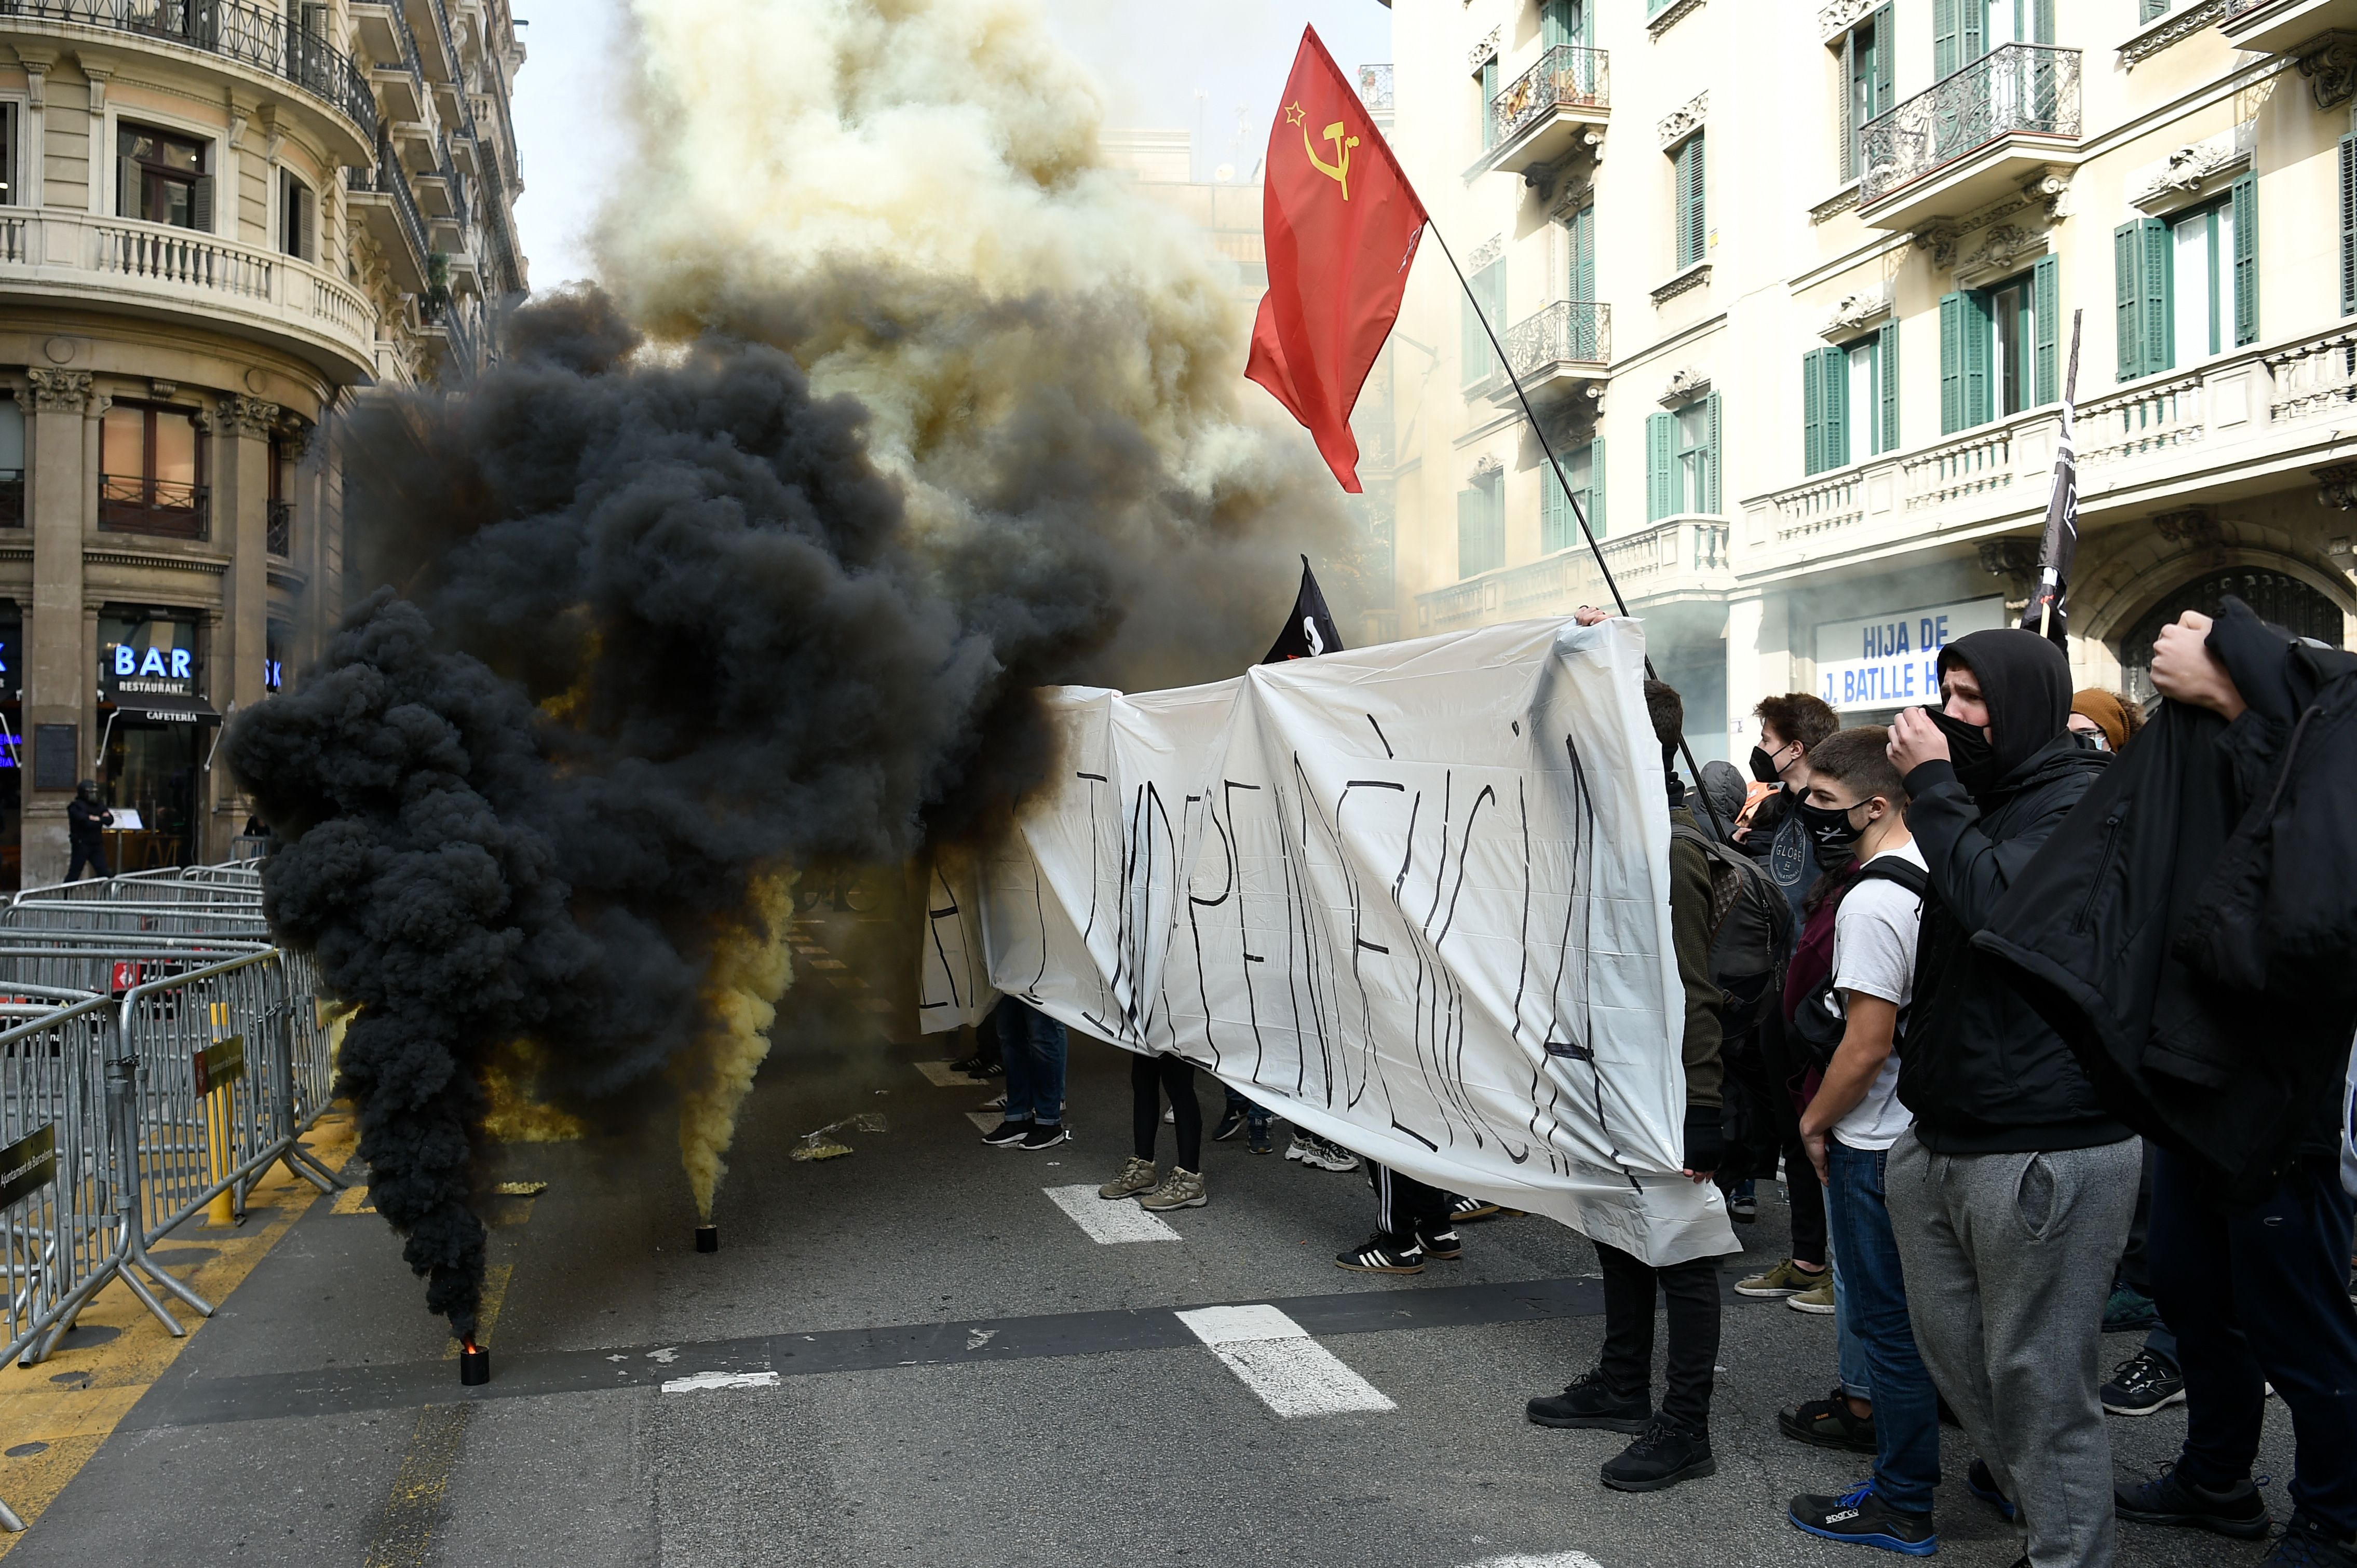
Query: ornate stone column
[(61, 487), (241, 525)]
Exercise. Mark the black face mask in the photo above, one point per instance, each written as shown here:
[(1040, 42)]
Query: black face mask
[(1836, 840), (1969, 751), (1763, 765)]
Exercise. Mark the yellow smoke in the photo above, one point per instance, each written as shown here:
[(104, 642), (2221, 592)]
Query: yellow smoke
[(517, 1114), (752, 967)]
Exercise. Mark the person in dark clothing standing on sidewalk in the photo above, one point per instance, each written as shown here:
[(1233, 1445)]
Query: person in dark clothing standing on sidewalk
[(1672, 1444), (2011, 1194), (2255, 1292), (86, 822)]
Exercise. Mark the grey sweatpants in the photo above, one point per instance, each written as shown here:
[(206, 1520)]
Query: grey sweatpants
[(2008, 1262)]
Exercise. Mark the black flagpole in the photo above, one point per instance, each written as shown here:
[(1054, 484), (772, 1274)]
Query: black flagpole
[(1578, 511)]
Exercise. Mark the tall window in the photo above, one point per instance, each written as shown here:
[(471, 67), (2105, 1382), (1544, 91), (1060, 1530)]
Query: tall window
[(152, 471), (1867, 79), (1849, 401), (162, 178), (2187, 285), (1583, 466), (1997, 348), (1682, 460), (1686, 201), (1488, 297), (10, 195), (12, 462), (279, 531), (1964, 30), (298, 219), (1482, 525), (1564, 22), (1488, 82)]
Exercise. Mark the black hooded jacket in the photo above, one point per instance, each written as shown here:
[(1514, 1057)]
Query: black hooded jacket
[(1980, 1070), (2189, 932)]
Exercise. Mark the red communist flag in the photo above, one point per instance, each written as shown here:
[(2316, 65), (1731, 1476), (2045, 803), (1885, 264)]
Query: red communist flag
[(1340, 224)]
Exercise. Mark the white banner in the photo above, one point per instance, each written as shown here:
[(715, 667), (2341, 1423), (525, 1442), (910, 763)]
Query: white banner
[(1891, 660), (1414, 899)]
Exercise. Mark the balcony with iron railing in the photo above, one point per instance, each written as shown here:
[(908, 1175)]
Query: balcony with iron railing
[(1534, 118), (1562, 348), (2277, 25), (2270, 411), (261, 47), (381, 197), (135, 504), (1974, 137), (1375, 87)]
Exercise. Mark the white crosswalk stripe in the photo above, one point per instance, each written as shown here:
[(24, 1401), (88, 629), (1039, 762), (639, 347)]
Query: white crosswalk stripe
[(699, 1383), (1119, 1220), (1542, 1559), (1275, 1357)]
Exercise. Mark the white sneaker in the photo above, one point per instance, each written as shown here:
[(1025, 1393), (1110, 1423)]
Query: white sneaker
[(1332, 1156), (1299, 1148)]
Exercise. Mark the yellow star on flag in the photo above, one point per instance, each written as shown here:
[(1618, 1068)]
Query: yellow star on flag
[(1293, 113)]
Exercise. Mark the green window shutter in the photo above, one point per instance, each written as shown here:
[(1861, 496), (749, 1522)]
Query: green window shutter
[(1885, 59), (1832, 446), (1555, 24), (1468, 527), (2247, 259), (1887, 380), (1710, 499), (1582, 232), (1972, 38), (2042, 21), (1595, 486), (1946, 42), (1978, 322), (1489, 93), (200, 205), (1661, 465), (1849, 105), (1697, 210), (1813, 411), (2128, 299), (2156, 280), (2152, 10), (2349, 225), (1951, 367), (1681, 172), (2046, 305), (1555, 513)]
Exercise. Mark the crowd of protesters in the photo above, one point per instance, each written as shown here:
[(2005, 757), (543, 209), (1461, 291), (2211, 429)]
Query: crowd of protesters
[(1941, 976)]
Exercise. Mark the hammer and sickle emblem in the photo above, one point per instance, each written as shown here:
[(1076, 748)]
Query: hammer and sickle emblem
[(1339, 169)]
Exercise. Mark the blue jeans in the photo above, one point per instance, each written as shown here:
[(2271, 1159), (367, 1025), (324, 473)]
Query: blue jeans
[(1032, 1045), (1254, 1113), (1857, 1377), (1906, 1407)]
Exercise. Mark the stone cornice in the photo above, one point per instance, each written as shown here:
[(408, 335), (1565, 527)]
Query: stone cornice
[(1693, 276), (209, 566), (1683, 121), (242, 416), (2174, 27), (1671, 15)]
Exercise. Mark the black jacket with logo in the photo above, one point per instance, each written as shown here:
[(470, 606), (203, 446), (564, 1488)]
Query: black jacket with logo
[(2190, 932), (1979, 1066)]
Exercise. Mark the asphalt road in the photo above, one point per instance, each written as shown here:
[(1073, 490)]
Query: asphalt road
[(943, 1367)]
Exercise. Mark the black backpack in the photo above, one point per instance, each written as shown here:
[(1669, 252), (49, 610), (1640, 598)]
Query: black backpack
[(1818, 1022), (1750, 931)]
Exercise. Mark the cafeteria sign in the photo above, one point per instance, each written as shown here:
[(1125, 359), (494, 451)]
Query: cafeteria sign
[(1892, 660)]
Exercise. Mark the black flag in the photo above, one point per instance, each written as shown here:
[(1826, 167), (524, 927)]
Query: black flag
[(1310, 630), (2048, 612)]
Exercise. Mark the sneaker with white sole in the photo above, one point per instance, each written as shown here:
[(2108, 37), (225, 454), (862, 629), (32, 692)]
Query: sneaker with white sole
[(1138, 1175), (1046, 1137), (1007, 1134), (1787, 1278), (1465, 1210), (1817, 1299), (1443, 1243), (1299, 1148), (1329, 1155), (1377, 1256), (2143, 1384), (1180, 1189)]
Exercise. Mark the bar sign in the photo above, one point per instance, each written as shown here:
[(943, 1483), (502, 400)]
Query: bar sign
[(217, 1067), (28, 1164)]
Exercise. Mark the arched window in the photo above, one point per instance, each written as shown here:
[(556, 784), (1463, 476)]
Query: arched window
[(2275, 596)]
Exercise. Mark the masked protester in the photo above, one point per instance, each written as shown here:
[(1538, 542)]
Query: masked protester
[(2011, 1196), (86, 822), (2105, 721)]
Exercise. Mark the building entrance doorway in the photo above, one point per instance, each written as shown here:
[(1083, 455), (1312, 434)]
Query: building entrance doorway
[(2276, 597)]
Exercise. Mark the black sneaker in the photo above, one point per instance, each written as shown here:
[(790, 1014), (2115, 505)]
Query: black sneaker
[(1007, 1134), (1256, 1137), (1828, 1423), (2308, 1544), (1666, 1455), (1860, 1517), (1381, 1256), (1047, 1136), (1587, 1400), (2142, 1384), (1230, 1125), (1981, 1481), (1443, 1243), (1466, 1210), (2129, 1312), (970, 1066), (2237, 1510)]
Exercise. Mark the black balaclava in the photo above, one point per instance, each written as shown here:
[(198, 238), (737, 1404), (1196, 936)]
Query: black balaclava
[(2026, 682)]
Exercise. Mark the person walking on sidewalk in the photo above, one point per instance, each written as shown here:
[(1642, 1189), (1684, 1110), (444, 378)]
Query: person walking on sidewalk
[(1150, 1077), (1856, 809), (1034, 1047), (2010, 1195), (1672, 1444)]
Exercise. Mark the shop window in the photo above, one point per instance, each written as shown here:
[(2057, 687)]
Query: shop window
[(1997, 348), (163, 178), (1583, 466), (2275, 596), (2187, 286), (1482, 525), (277, 637), (152, 472), (1869, 79), (1682, 460), (12, 462), (1849, 401)]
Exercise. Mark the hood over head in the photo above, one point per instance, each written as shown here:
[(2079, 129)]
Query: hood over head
[(1724, 788), (2027, 682)]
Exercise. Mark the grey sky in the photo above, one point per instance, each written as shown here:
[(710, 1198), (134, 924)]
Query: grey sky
[(1153, 59)]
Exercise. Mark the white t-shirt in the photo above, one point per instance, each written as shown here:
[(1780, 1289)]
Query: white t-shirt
[(1874, 952)]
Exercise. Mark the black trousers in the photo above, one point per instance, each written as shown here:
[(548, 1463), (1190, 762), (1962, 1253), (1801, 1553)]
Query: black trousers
[(2258, 1294), (93, 856), (1150, 1078), (1692, 1290), (1404, 1206), (1805, 1194)]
